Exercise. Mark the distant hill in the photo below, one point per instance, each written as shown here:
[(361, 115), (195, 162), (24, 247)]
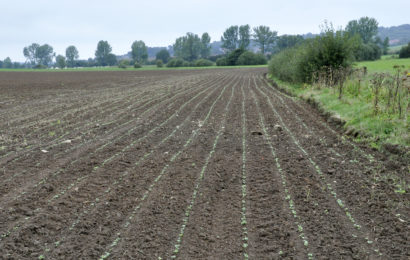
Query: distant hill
[(398, 35)]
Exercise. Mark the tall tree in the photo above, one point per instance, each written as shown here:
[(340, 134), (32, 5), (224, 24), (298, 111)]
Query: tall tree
[(30, 53), (205, 45), (45, 55), (102, 54), (60, 61), (230, 38), (365, 27), (139, 52), (264, 37), (188, 47), (244, 36), (163, 55), (71, 54)]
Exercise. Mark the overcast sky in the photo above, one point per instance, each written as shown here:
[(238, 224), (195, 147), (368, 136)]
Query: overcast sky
[(83, 23)]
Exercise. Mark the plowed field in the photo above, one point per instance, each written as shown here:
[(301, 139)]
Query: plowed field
[(195, 164)]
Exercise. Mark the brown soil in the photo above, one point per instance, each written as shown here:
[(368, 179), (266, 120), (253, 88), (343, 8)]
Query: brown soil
[(168, 164)]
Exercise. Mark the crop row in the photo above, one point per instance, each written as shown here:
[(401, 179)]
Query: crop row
[(174, 157)]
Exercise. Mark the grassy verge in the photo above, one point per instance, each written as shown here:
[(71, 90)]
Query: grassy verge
[(357, 112), (144, 68)]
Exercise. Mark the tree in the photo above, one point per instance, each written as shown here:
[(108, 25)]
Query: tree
[(244, 36), (230, 38), (264, 37), (7, 64), (61, 62), (72, 55), (205, 45), (45, 55), (366, 27), (139, 52), (188, 47), (111, 59), (405, 52), (102, 54), (163, 55), (30, 53), (288, 41), (385, 45)]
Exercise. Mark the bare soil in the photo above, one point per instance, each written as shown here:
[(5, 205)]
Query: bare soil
[(195, 164)]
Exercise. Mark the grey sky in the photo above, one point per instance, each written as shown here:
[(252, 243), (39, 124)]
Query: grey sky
[(158, 23)]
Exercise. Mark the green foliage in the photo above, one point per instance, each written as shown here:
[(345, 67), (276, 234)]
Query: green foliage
[(405, 52), (221, 61), (39, 54), (160, 64), (203, 63), (205, 45), (123, 64), (137, 65), (175, 62), (139, 52), (72, 55), (250, 58), (30, 52), (61, 62), (264, 37), (244, 36), (233, 57), (188, 47), (103, 54), (385, 46), (230, 38), (7, 64), (331, 50), (288, 41), (163, 55), (369, 51), (286, 64), (365, 27)]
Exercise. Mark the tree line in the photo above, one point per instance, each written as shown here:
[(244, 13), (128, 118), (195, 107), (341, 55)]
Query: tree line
[(242, 45)]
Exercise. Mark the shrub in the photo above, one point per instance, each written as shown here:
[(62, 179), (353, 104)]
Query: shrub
[(203, 63), (160, 64), (370, 51), (331, 50), (175, 62), (232, 57), (221, 62), (405, 52), (250, 58), (137, 65), (285, 65), (124, 64)]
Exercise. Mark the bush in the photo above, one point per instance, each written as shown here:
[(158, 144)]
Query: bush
[(160, 64), (203, 63), (233, 57), (331, 50), (137, 65), (175, 62), (405, 52), (124, 64), (370, 51), (250, 58), (221, 62), (285, 64)]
